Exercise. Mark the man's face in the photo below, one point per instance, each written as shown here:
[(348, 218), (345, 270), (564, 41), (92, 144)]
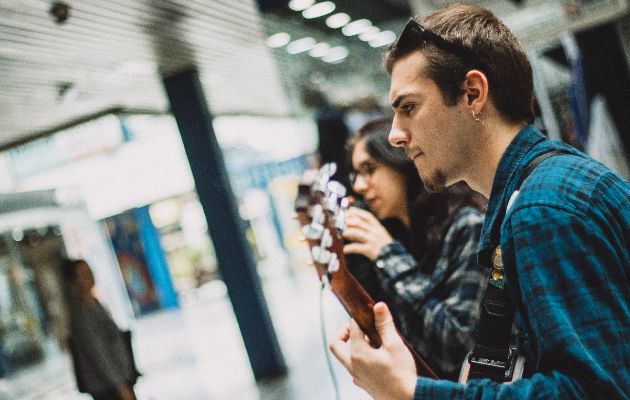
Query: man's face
[(434, 135)]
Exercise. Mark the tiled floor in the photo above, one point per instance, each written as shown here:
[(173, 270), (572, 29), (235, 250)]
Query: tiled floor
[(196, 352)]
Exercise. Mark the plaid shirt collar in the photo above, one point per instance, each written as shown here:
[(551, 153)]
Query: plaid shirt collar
[(508, 172)]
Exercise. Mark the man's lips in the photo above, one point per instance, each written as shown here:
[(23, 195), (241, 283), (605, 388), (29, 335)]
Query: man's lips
[(413, 155)]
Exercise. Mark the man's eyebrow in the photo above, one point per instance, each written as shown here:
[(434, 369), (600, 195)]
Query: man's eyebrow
[(398, 99)]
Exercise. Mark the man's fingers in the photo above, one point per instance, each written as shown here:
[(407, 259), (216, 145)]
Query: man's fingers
[(340, 348), (384, 321)]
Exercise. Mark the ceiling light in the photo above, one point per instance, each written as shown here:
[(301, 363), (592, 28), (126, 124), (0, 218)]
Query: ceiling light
[(299, 5), (320, 50), (278, 40), (383, 38), (319, 10), (301, 45), (336, 54), (370, 34), (356, 27), (337, 20)]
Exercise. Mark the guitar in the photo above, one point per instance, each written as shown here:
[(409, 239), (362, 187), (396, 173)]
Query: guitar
[(321, 207)]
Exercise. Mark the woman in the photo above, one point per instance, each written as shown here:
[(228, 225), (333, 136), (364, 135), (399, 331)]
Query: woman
[(102, 359), (424, 264)]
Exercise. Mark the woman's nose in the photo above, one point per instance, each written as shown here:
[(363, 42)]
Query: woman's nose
[(360, 185)]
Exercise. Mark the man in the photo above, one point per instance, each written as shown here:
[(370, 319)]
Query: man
[(462, 93)]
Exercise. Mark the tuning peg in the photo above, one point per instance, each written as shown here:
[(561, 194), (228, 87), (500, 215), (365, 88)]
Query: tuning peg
[(340, 220), (320, 255), (317, 214), (333, 265), (328, 169), (326, 239), (337, 188), (302, 238), (313, 231), (344, 203)]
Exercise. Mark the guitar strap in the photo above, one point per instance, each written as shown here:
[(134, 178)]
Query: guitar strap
[(492, 356)]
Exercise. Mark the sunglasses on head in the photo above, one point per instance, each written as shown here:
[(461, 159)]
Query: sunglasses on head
[(409, 39)]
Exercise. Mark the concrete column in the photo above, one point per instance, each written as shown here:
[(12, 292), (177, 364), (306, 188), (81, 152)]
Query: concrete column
[(234, 254)]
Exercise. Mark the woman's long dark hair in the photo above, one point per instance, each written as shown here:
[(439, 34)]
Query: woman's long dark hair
[(430, 214)]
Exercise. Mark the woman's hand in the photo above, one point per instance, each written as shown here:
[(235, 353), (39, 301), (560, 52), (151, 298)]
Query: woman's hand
[(365, 232)]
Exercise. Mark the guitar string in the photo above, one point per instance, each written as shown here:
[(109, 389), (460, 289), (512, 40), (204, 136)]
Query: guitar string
[(326, 351)]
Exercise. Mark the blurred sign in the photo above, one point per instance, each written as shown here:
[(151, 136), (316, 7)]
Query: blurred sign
[(71, 144)]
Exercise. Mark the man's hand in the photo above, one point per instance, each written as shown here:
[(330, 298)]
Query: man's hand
[(386, 373)]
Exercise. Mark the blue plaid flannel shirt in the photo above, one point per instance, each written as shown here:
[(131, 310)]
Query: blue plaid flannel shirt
[(565, 255), (437, 312)]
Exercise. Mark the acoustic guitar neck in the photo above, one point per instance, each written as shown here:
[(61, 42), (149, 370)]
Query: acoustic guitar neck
[(321, 207)]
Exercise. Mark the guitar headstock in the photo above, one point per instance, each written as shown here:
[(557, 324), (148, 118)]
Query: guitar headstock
[(321, 209), (321, 206)]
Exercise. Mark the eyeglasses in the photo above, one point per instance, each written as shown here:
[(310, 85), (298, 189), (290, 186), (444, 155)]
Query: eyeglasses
[(366, 170), (408, 39)]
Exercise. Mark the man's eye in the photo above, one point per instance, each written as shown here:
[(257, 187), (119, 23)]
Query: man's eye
[(407, 108)]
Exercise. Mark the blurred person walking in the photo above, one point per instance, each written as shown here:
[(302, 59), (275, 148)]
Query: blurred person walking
[(102, 355)]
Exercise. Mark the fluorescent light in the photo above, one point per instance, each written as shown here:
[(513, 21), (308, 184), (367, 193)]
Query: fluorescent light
[(320, 49), (370, 34), (301, 45), (278, 40), (299, 5), (337, 20), (319, 10), (383, 38), (336, 54), (356, 27)]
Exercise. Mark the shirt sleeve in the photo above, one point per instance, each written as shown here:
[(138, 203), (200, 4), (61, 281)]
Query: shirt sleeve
[(573, 317), (437, 311)]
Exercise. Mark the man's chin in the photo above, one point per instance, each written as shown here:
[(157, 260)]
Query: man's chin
[(434, 183)]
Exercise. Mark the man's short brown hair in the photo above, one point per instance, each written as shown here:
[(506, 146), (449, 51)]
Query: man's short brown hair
[(500, 57)]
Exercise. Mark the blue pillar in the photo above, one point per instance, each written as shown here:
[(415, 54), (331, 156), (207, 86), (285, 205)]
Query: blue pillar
[(156, 259), (234, 255)]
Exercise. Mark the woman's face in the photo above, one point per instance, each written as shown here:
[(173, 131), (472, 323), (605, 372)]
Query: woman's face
[(382, 187)]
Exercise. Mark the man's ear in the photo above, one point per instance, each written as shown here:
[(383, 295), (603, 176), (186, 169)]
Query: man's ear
[(476, 90)]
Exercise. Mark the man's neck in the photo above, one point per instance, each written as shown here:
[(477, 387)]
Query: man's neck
[(491, 147)]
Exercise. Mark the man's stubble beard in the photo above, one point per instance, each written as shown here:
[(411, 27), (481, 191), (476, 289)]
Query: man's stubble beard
[(436, 182)]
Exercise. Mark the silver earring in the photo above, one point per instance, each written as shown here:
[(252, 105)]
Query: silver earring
[(482, 120)]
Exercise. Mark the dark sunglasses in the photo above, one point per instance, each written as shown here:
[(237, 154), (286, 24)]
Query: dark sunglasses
[(408, 39)]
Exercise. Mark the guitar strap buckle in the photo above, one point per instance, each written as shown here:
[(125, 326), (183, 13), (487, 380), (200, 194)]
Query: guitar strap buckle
[(497, 371)]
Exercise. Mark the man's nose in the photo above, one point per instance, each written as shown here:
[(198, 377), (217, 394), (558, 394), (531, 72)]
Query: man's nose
[(397, 136)]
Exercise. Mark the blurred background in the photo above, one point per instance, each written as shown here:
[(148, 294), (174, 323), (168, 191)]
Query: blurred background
[(163, 140)]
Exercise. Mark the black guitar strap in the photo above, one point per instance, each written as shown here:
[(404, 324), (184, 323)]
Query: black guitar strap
[(492, 356)]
